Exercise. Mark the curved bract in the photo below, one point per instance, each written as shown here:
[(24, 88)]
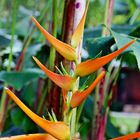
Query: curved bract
[(78, 97), (64, 49), (57, 129), (92, 65), (64, 81), (30, 137), (77, 35)]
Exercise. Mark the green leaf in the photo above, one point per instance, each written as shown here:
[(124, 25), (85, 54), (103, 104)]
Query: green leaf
[(29, 92), (4, 42), (122, 39), (86, 81), (19, 119), (19, 79), (88, 108), (96, 45), (111, 130), (136, 32)]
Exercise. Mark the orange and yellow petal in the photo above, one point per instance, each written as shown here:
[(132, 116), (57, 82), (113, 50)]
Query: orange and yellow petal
[(64, 49), (92, 65), (78, 97), (77, 35), (30, 137), (57, 129), (64, 81), (128, 137)]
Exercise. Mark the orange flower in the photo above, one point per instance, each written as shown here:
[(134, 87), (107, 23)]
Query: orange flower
[(78, 97), (92, 65), (128, 137), (64, 49), (76, 37), (57, 129), (30, 137), (66, 82)]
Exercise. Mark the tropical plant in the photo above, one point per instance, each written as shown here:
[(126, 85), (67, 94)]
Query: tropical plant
[(67, 77)]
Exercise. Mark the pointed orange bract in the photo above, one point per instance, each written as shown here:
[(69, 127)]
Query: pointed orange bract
[(128, 137), (30, 137), (76, 37), (92, 65), (66, 82), (64, 49), (78, 97), (57, 129)]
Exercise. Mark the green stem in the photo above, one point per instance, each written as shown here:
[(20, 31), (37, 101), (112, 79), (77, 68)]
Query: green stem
[(2, 3), (52, 54), (108, 16), (10, 58), (3, 108), (42, 100), (135, 16), (54, 33), (100, 94), (73, 122), (77, 18)]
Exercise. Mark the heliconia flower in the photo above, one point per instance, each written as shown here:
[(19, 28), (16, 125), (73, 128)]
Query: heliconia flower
[(64, 81), (77, 35), (64, 49), (78, 97), (30, 137), (128, 137), (92, 65), (57, 129)]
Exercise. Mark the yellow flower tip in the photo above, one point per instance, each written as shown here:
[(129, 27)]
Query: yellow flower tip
[(64, 81), (92, 65), (5, 88), (76, 37), (64, 49), (32, 18), (30, 137), (78, 97), (57, 129)]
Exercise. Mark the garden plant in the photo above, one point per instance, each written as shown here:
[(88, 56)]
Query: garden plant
[(65, 79)]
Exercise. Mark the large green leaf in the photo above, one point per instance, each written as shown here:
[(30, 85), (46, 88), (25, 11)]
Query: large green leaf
[(97, 45), (19, 79), (122, 39)]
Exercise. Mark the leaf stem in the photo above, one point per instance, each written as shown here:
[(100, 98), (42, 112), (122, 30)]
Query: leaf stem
[(108, 16), (52, 54), (3, 108)]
